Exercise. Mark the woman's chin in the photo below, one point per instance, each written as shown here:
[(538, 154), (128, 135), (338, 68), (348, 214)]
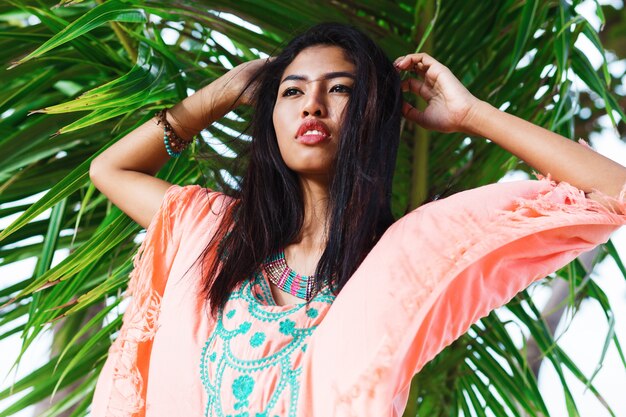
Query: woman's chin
[(313, 172), (310, 162)]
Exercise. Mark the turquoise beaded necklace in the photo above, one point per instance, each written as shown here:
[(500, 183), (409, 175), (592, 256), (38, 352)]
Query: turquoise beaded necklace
[(285, 278)]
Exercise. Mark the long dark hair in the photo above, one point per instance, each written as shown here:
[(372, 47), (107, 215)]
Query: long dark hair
[(267, 213)]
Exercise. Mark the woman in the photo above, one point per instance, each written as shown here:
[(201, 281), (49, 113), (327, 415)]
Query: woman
[(243, 333)]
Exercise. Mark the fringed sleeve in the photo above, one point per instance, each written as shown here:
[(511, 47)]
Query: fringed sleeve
[(121, 387), (432, 275)]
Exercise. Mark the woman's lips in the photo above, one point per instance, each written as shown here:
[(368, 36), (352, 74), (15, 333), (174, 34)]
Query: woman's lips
[(312, 138), (312, 131)]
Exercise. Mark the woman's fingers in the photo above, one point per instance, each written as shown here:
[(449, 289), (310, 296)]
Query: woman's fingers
[(419, 87), (411, 113), (411, 84), (419, 62)]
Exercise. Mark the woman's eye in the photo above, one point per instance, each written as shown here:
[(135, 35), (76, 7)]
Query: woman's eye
[(341, 89), (290, 92)]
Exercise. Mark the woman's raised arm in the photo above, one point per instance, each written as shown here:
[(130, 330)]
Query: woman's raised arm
[(452, 108), (125, 171)]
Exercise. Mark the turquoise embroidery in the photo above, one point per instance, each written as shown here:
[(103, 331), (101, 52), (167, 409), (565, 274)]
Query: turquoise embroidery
[(225, 351), (286, 326), (257, 339), (242, 388), (244, 327)]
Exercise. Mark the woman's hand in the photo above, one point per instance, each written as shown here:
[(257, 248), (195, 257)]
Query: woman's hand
[(224, 94), (450, 104), (451, 108), (238, 81)]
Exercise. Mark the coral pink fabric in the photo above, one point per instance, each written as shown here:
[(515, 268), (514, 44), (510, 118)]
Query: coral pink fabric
[(432, 275)]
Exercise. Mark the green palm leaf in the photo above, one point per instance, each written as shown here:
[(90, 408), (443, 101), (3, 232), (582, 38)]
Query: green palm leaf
[(113, 10)]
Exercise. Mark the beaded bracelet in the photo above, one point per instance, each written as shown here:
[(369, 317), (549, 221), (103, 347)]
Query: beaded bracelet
[(174, 144)]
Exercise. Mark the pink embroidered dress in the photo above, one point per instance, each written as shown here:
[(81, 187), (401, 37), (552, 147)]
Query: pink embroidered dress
[(432, 275)]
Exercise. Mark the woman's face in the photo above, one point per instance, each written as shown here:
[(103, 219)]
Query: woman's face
[(312, 95)]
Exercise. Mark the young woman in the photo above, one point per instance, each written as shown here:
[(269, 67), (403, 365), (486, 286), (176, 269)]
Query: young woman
[(300, 295)]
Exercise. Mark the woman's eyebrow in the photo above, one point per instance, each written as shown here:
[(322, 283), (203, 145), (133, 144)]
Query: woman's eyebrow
[(327, 76)]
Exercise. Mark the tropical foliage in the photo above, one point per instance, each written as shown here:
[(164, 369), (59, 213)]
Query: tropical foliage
[(80, 75)]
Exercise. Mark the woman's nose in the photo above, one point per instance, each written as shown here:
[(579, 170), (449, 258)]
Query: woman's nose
[(314, 105)]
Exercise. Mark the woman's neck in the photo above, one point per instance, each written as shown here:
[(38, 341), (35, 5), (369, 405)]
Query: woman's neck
[(315, 225), (304, 253)]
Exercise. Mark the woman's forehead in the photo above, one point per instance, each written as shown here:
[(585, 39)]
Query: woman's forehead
[(326, 76), (316, 62)]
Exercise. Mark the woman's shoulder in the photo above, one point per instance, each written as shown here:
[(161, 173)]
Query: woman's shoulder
[(194, 197), (194, 192), (186, 208)]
